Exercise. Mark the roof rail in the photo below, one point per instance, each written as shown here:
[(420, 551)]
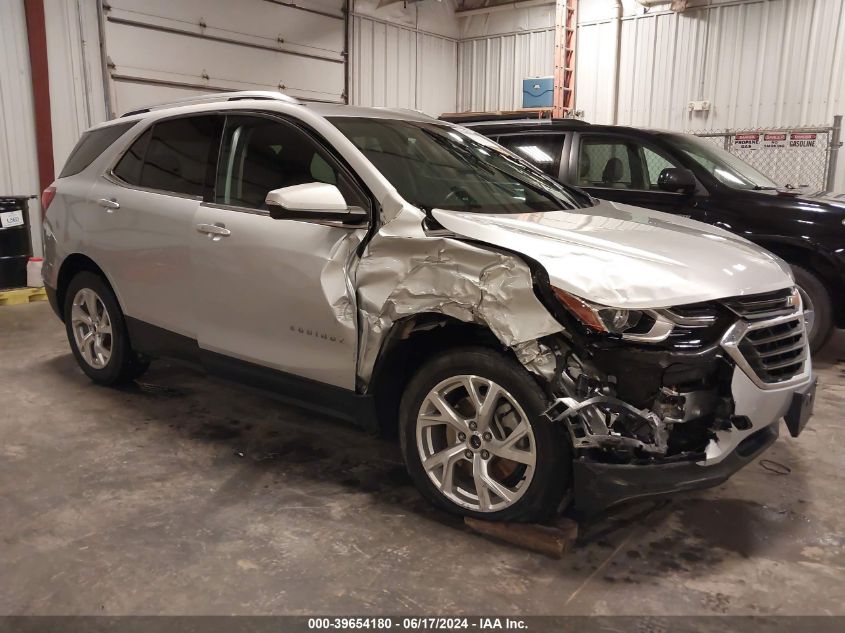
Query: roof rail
[(217, 97)]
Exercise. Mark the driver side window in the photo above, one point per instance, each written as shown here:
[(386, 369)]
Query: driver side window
[(261, 154), (616, 163)]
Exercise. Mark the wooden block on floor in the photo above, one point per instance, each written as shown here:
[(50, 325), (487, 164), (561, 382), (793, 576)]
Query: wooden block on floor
[(552, 540), (15, 296)]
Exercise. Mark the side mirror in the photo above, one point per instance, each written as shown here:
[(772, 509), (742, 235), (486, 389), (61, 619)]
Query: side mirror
[(676, 180), (312, 201)]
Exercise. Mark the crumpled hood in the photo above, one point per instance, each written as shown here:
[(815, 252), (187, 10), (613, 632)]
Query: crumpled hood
[(624, 256)]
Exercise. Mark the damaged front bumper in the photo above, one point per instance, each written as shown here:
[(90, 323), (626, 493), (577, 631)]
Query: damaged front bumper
[(598, 485), (681, 440)]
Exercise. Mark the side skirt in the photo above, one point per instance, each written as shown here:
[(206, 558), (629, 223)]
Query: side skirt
[(330, 400)]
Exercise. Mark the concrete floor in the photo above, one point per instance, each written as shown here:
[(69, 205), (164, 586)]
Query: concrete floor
[(186, 495)]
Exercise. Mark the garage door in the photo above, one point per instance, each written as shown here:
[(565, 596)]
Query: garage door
[(160, 50)]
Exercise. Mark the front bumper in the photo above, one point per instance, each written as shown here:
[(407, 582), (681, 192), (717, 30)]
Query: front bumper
[(599, 485)]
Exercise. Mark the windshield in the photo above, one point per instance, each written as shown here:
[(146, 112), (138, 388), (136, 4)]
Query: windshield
[(724, 166), (438, 166)]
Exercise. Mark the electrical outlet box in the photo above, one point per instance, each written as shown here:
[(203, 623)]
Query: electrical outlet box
[(698, 106)]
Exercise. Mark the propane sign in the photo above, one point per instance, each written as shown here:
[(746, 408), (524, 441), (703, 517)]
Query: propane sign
[(747, 141)]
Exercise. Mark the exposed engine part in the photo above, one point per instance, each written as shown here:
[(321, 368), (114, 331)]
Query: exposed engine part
[(538, 358), (675, 406), (617, 427)]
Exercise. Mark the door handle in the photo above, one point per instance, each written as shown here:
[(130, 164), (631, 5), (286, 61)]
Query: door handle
[(109, 204), (214, 231)]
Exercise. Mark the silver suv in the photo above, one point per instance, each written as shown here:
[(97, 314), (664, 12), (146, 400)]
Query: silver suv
[(529, 343)]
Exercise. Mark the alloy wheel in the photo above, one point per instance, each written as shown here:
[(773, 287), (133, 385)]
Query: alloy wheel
[(476, 443), (92, 328)]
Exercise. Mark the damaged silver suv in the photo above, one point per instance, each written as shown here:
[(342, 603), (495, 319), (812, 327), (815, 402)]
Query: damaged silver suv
[(529, 343)]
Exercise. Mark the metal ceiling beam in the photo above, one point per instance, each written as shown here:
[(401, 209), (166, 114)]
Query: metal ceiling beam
[(496, 8)]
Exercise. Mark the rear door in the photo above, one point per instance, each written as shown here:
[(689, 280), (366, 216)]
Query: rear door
[(274, 292), (624, 169), (145, 210)]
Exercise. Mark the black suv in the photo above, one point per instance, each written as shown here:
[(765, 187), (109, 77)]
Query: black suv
[(685, 175)]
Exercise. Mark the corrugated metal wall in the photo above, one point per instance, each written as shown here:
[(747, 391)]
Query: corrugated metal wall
[(491, 69), (497, 51), (400, 66), (759, 62), (18, 160)]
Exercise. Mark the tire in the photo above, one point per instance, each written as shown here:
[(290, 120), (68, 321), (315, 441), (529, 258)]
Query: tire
[(106, 357), (528, 489), (822, 307)]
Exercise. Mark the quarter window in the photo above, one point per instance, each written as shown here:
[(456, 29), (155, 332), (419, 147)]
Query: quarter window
[(542, 150), (261, 154), (92, 145)]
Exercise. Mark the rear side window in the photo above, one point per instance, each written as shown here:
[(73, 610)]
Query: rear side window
[(173, 156), (91, 145)]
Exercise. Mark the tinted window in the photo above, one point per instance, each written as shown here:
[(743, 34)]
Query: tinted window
[(173, 156), (433, 165), (616, 163), (543, 150), (128, 168), (724, 166), (91, 145), (261, 154)]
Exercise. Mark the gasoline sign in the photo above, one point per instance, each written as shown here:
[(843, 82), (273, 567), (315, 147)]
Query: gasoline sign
[(802, 140)]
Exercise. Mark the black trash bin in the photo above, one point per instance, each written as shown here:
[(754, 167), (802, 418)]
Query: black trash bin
[(15, 245)]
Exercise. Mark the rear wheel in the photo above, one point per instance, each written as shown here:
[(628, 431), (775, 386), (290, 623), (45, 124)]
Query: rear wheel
[(474, 440), (818, 307), (96, 331)]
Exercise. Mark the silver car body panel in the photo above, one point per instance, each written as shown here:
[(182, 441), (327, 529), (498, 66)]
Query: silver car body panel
[(404, 272), (762, 407), (627, 257), (276, 293)]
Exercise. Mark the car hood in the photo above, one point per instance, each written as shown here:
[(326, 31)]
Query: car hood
[(624, 256), (826, 200)]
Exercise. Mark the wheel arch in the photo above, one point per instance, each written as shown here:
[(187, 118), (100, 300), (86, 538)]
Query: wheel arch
[(71, 266), (411, 342), (815, 261)]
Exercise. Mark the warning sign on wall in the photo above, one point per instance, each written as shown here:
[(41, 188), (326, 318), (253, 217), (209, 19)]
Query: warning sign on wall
[(746, 141), (801, 140), (774, 140)]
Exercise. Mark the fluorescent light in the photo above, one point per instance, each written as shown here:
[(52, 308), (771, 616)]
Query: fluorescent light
[(535, 153)]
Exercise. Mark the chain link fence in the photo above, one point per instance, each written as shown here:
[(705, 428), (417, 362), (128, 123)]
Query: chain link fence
[(794, 156)]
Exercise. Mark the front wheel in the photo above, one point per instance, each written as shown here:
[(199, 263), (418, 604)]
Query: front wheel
[(474, 440), (818, 307)]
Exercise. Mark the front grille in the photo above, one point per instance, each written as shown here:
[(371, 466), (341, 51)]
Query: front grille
[(777, 352), (764, 306)]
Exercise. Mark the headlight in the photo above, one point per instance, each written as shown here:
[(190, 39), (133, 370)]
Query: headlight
[(599, 318)]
